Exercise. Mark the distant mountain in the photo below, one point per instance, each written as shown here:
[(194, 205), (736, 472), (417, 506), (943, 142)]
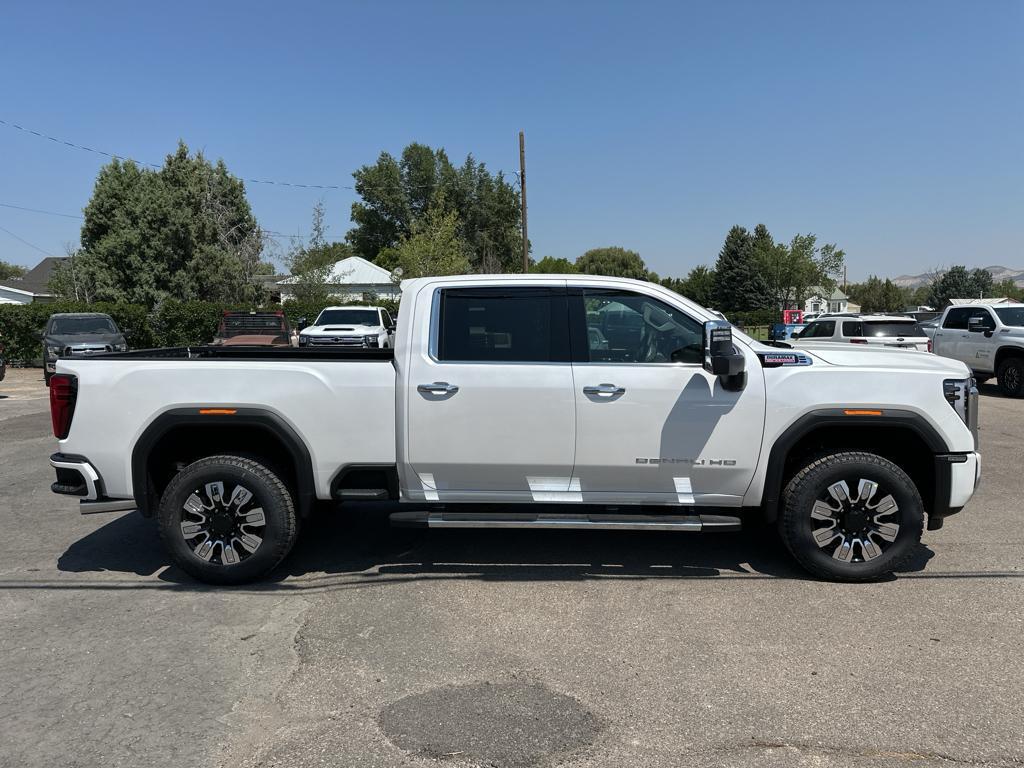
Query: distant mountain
[(998, 274)]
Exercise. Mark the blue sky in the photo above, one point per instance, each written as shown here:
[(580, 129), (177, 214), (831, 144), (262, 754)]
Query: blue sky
[(895, 129)]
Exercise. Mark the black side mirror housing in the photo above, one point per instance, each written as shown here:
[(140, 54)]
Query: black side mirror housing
[(301, 323), (721, 358), (978, 325)]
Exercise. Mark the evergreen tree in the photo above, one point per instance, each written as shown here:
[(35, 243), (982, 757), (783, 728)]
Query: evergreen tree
[(739, 284)]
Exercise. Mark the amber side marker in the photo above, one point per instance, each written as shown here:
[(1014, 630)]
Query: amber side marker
[(852, 412), (217, 411)]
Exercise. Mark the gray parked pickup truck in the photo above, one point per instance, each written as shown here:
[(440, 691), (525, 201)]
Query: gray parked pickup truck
[(79, 334)]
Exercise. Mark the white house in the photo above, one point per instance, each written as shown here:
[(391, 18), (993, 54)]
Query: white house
[(351, 279), (837, 301), (31, 287)]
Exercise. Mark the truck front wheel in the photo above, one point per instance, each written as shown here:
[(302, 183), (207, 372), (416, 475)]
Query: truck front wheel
[(227, 520), (1011, 376), (851, 516)]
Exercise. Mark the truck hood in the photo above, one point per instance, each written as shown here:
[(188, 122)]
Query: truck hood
[(342, 330), (873, 356), (83, 339)]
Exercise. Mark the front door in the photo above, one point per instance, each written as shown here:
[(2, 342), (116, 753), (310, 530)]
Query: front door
[(491, 409), (652, 425)]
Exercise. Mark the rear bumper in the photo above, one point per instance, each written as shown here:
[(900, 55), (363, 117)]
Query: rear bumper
[(76, 476)]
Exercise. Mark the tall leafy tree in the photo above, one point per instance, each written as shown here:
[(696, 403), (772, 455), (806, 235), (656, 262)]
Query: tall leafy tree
[(432, 248), (184, 231), (549, 265), (396, 193), (311, 262), (876, 295), (612, 261), (739, 285), (791, 272), (960, 283), (8, 270)]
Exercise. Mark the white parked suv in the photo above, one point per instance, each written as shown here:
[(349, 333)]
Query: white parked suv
[(988, 339), (366, 327), (882, 330), (531, 401)]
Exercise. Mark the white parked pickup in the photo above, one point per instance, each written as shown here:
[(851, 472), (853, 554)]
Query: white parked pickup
[(527, 402), (988, 339)]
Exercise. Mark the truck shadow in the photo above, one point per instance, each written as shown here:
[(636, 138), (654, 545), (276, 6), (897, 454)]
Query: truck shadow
[(361, 545)]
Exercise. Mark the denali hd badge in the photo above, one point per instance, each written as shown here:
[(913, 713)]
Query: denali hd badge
[(692, 462)]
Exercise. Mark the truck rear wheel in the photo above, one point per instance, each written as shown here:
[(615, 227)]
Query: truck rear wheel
[(1011, 376), (851, 517), (227, 520)]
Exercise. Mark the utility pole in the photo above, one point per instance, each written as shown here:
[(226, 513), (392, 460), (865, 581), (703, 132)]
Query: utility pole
[(522, 200)]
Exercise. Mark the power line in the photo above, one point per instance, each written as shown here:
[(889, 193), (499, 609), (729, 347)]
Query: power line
[(39, 210), (26, 242), (272, 182)]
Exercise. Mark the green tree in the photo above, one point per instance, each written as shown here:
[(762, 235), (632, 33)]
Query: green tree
[(739, 285), (792, 271), (960, 283), (432, 248), (397, 193), (549, 265), (8, 270), (1009, 289), (699, 286), (184, 231), (311, 262), (612, 261), (876, 295)]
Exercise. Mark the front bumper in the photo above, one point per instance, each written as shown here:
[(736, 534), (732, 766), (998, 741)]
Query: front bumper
[(957, 476), (77, 477)]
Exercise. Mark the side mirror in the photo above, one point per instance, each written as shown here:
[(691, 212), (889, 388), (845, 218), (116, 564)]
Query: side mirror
[(978, 325), (301, 323), (720, 356)]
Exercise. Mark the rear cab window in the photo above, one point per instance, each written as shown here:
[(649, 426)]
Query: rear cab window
[(503, 325)]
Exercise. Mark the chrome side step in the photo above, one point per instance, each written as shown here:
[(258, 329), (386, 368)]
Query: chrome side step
[(597, 521), (108, 505)]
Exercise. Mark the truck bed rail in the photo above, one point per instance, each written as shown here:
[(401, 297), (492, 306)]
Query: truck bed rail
[(214, 352)]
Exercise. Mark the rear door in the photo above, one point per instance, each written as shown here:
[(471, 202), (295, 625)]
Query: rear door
[(491, 409)]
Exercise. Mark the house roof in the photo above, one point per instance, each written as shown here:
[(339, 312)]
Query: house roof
[(354, 270), (37, 280), (818, 293), (989, 302)]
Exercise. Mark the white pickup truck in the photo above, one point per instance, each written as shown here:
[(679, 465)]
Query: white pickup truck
[(526, 402), (988, 339)]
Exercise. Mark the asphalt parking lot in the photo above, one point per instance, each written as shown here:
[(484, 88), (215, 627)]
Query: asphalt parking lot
[(379, 647)]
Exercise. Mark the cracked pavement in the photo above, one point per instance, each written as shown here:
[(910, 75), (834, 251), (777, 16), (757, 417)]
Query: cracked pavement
[(380, 647)]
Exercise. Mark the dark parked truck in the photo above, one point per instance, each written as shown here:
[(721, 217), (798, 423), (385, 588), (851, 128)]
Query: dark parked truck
[(79, 334), (534, 401)]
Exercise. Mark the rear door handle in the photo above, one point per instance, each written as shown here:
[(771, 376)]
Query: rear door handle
[(438, 388), (604, 389)]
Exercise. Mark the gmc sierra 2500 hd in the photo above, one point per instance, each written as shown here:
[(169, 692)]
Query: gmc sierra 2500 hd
[(527, 402)]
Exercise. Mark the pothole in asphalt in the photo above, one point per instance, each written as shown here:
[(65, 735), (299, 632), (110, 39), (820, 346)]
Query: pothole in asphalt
[(507, 725)]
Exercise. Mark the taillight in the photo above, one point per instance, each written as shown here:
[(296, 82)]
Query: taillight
[(858, 341), (63, 393), (929, 345)]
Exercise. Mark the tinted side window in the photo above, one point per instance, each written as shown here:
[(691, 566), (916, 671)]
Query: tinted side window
[(986, 318), (957, 318), (625, 327), (387, 318), (521, 325), (852, 328), (820, 330)]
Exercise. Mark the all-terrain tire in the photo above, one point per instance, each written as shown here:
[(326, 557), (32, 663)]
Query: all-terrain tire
[(269, 494), (879, 557), (1011, 377)]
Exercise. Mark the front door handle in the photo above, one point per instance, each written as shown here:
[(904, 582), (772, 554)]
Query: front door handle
[(609, 390), (438, 388)]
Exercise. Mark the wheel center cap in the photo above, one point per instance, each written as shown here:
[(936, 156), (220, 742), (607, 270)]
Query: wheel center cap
[(856, 519), (220, 524)]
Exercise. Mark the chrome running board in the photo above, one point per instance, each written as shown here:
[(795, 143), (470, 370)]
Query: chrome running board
[(598, 521)]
